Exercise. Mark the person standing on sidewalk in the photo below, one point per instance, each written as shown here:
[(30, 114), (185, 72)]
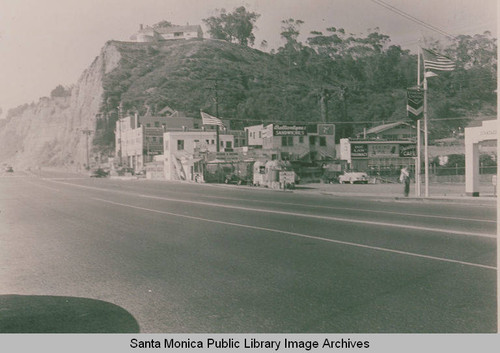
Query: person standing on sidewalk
[(405, 179)]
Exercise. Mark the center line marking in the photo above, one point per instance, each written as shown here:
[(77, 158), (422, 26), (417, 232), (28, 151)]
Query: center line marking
[(299, 235)]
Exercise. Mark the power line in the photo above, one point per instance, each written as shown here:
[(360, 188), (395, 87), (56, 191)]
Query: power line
[(412, 18), (263, 121)]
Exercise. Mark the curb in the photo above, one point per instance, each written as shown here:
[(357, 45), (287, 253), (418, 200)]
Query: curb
[(488, 201)]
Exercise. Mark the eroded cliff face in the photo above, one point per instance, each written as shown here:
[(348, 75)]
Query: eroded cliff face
[(50, 132)]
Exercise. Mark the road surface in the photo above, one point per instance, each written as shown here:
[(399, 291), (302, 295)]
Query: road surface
[(103, 255)]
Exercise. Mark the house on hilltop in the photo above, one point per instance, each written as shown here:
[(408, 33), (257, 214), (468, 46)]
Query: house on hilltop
[(149, 34)]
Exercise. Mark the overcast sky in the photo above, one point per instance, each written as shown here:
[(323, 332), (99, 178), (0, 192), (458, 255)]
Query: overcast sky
[(44, 43)]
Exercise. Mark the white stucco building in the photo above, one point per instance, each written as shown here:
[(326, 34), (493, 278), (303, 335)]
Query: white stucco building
[(184, 151)]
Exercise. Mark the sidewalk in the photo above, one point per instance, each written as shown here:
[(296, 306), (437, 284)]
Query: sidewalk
[(452, 192)]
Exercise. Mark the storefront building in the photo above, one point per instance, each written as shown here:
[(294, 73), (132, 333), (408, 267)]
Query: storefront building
[(378, 156)]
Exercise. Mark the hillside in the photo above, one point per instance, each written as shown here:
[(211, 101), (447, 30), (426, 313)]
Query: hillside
[(251, 87)]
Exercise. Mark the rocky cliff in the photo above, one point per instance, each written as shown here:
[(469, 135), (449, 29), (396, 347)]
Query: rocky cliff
[(50, 132)]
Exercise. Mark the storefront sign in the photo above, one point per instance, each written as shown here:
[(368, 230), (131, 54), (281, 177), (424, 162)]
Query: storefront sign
[(407, 150), (289, 130), (359, 150)]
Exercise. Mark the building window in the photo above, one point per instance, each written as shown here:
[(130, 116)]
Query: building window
[(161, 140), (312, 140), (229, 144), (154, 138), (260, 134), (213, 142), (180, 145), (236, 142), (287, 141), (157, 124), (301, 139), (148, 125), (322, 141)]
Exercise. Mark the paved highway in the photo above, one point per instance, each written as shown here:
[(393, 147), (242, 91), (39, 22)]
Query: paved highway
[(104, 255)]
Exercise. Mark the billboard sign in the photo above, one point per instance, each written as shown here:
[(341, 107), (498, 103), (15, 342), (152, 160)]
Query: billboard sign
[(383, 150), (289, 130)]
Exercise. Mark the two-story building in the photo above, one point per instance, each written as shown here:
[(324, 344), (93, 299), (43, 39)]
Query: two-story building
[(185, 152), (297, 142), (138, 139)]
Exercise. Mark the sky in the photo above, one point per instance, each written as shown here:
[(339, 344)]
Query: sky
[(44, 43)]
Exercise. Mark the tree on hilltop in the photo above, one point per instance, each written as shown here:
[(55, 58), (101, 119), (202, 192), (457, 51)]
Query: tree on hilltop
[(236, 27), (162, 24)]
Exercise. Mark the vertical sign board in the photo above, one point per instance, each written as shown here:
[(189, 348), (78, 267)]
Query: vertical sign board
[(415, 104), (287, 177)]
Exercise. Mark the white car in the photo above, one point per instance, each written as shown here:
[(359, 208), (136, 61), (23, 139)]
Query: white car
[(353, 177)]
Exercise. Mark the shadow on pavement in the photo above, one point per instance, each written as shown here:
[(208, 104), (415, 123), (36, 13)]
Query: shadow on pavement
[(53, 314)]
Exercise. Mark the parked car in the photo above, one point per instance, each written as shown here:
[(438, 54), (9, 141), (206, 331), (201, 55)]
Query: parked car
[(353, 178), (234, 179), (98, 173), (331, 177), (9, 169)]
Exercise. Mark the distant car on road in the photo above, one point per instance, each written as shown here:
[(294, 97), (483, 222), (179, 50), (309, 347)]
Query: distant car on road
[(353, 178)]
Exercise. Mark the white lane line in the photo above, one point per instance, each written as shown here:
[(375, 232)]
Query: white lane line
[(299, 235), (333, 207), (328, 218), (359, 210)]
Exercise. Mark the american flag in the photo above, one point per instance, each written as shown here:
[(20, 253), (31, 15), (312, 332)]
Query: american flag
[(207, 119), (435, 61)]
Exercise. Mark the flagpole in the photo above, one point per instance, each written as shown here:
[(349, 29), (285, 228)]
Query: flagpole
[(417, 167), (426, 152)]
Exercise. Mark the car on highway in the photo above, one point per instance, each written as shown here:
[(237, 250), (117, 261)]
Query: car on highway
[(353, 178)]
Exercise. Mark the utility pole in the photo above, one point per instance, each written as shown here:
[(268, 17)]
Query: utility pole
[(87, 132), (418, 183)]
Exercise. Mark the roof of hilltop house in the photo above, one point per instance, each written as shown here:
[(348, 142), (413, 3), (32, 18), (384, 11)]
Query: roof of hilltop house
[(148, 33)]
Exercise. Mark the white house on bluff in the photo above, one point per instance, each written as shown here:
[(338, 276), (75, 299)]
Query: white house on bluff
[(149, 34)]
